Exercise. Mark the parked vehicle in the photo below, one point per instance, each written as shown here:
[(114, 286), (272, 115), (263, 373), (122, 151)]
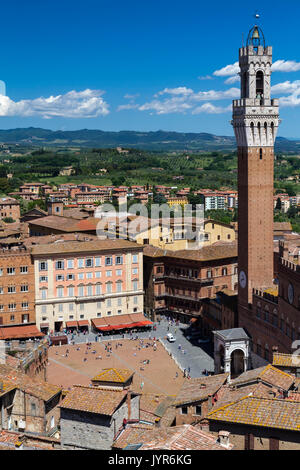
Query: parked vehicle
[(171, 338)]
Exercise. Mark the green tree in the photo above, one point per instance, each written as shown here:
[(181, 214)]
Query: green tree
[(278, 204)]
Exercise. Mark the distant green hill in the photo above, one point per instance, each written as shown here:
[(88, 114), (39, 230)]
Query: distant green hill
[(159, 140)]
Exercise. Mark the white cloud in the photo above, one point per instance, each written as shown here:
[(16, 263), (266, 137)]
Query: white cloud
[(278, 66), (285, 66), (231, 80), (286, 87), (228, 70), (232, 70), (181, 90), (206, 77), (184, 99), (292, 89), (291, 100), (209, 108), (131, 97), (171, 105), (74, 104), (123, 107), (216, 94)]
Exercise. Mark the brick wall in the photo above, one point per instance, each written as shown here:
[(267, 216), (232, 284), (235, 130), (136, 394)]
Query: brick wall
[(11, 266)]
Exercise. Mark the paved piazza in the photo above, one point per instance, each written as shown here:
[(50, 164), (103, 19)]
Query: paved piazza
[(157, 376), (161, 375)]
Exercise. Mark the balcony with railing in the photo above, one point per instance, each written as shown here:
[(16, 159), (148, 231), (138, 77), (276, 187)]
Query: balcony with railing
[(208, 281)]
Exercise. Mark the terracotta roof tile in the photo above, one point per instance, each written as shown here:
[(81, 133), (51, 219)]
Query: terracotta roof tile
[(37, 388), (133, 434), (93, 399), (78, 246), (256, 411), (268, 374), (185, 437), (113, 375), (24, 331), (215, 251), (288, 360), (200, 388), (154, 406)]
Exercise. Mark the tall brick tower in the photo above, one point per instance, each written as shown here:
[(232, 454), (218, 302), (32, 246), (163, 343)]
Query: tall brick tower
[(255, 123)]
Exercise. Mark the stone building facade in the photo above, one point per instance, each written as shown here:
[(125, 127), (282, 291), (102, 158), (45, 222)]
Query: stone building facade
[(27, 404), (17, 294), (176, 283), (82, 281), (92, 417), (9, 208)]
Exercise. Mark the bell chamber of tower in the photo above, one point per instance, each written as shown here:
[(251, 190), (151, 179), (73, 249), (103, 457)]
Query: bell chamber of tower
[(255, 115)]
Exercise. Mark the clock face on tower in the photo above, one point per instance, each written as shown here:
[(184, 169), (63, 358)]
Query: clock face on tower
[(291, 293), (243, 279)]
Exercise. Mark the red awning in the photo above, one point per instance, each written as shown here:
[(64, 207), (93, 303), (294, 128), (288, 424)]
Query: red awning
[(20, 332), (104, 328), (83, 323), (144, 323), (71, 324), (44, 325), (99, 322), (115, 322)]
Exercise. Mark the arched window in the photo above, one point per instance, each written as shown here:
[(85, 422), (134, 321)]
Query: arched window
[(266, 129), (258, 128), (252, 129), (259, 85), (272, 129)]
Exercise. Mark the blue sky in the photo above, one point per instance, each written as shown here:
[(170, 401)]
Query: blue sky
[(139, 65)]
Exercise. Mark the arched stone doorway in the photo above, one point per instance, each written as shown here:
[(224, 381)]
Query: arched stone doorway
[(237, 362), (231, 351)]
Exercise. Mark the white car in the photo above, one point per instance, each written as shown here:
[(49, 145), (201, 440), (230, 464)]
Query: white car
[(171, 338)]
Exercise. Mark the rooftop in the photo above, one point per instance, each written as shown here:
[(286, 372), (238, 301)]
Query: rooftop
[(200, 388), (154, 406), (207, 253), (114, 375), (288, 360), (185, 437), (233, 333), (257, 411), (93, 399), (38, 388), (84, 246), (267, 374)]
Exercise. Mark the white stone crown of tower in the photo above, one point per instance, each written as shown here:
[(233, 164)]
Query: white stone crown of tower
[(255, 114)]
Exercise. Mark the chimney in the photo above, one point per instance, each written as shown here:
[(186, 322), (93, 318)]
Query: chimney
[(223, 438)]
